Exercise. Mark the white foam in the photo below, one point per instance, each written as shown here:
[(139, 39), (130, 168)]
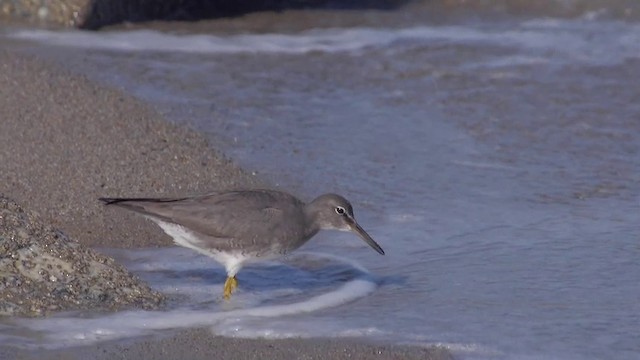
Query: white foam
[(70, 329), (549, 39), (326, 40), (469, 351), (405, 218)]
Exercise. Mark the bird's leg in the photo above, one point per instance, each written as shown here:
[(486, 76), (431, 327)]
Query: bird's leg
[(229, 285), (234, 283)]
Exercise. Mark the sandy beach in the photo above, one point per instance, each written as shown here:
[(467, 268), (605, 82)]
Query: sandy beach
[(65, 141), (200, 344)]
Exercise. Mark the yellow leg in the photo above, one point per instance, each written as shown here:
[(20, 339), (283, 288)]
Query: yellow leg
[(229, 285)]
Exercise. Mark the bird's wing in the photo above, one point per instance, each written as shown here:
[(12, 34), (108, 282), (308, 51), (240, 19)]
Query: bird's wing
[(242, 215)]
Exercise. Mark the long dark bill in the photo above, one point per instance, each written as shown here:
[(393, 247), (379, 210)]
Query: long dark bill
[(363, 234)]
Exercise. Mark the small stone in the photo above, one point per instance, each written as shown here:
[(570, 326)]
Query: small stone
[(43, 13)]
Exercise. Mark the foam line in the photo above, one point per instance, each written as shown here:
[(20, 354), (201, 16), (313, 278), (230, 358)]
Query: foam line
[(326, 40), (69, 331), (572, 42)]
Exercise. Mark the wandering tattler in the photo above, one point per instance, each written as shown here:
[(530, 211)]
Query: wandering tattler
[(236, 227)]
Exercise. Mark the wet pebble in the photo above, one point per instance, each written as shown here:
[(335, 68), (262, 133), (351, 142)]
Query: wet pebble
[(42, 270)]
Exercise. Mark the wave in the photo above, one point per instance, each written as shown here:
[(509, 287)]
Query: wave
[(76, 329), (535, 41)]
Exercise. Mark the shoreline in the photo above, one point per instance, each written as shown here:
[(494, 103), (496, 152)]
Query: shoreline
[(200, 344), (65, 141)]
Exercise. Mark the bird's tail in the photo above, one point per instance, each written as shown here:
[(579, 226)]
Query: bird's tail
[(124, 201), (151, 207)]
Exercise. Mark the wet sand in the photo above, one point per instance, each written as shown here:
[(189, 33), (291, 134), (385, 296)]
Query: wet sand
[(200, 344), (65, 141)]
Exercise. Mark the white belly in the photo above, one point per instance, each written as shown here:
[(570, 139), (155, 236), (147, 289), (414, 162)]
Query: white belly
[(232, 261)]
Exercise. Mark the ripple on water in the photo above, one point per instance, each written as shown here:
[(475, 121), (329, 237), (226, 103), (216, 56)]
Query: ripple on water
[(301, 283)]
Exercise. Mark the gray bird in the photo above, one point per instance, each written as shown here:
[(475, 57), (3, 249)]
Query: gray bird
[(237, 227)]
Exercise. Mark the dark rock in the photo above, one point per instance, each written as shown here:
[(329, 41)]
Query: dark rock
[(93, 14)]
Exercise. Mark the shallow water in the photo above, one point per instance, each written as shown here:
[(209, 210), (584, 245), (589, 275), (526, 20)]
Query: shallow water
[(194, 288), (497, 163)]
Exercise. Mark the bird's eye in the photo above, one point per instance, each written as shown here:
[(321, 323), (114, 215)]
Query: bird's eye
[(340, 210)]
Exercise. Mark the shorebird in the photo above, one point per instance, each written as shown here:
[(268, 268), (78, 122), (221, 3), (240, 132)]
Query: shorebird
[(238, 227)]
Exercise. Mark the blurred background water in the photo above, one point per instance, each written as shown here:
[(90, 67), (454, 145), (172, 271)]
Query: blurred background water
[(494, 156)]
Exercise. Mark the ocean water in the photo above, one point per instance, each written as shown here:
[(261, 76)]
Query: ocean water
[(497, 162)]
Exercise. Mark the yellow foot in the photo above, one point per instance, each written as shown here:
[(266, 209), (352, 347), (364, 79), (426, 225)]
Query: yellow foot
[(229, 285)]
